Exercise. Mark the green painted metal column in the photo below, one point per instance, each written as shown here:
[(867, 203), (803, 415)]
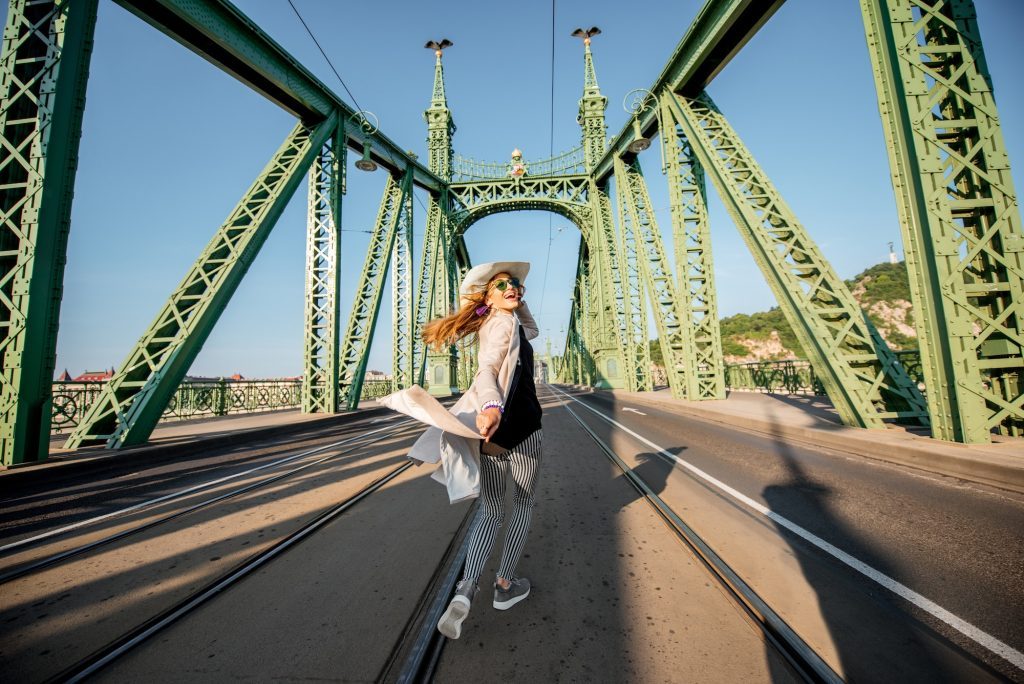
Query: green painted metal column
[(323, 271), (613, 312), (355, 350), (860, 373), (959, 215), (44, 68), (132, 402), (655, 271), (402, 298), (635, 339), (691, 232)]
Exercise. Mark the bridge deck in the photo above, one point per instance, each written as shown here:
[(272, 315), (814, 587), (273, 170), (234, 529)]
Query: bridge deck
[(618, 597)]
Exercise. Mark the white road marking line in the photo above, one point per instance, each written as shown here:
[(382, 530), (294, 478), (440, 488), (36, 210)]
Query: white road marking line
[(973, 633), (627, 408)]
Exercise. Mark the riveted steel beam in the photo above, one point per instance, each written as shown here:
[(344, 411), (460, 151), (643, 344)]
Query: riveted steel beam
[(635, 340), (717, 33), (959, 215), (355, 350), (323, 271), (612, 319), (220, 33), (132, 402), (860, 373), (403, 328), (656, 274), (43, 72), (691, 234)]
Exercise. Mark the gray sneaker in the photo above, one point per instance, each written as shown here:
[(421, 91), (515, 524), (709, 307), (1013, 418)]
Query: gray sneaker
[(518, 589), (450, 623)]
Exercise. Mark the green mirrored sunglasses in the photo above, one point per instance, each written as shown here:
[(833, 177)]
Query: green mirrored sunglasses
[(502, 284)]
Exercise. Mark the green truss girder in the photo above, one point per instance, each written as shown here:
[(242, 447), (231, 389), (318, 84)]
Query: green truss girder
[(430, 283), (323, 272), (961, 225), (691, 233), (564, 195), (635, 340), (355, 351), (655, 272), (44, 68), (583, 299), (403, 328), (132, 402), (609, 281), (860, 374)]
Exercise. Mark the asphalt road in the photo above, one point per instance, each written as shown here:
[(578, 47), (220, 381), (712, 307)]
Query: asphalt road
[(958, 544), (617, 597)]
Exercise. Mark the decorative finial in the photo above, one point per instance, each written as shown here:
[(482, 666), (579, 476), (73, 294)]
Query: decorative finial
[(586, 35), (438, 47)]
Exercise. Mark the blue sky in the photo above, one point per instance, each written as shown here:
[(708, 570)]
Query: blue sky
[(170, 143)]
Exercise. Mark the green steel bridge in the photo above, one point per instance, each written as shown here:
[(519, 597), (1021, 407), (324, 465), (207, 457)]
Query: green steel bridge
[(960, 223)]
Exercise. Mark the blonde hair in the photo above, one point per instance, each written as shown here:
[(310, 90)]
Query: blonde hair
[(442, 332)]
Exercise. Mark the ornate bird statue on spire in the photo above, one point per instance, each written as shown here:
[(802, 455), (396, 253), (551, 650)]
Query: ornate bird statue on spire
[(438, 47), (586, 35)]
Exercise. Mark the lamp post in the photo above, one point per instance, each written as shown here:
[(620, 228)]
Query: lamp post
[(362, 119)]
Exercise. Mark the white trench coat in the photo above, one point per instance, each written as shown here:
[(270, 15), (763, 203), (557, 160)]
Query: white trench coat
[(452, 437)]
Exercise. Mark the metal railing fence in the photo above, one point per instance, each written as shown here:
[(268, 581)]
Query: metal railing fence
[(199, 398)]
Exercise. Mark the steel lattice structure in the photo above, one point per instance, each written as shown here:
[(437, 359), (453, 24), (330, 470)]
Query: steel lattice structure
[(957, 207)]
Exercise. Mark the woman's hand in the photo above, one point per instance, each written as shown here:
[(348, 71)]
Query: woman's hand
[(487, 422)]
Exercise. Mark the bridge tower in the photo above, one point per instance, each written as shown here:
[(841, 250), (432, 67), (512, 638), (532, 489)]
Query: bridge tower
[(438, 274)]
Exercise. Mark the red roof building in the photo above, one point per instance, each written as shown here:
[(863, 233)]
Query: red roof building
[(95, 376)]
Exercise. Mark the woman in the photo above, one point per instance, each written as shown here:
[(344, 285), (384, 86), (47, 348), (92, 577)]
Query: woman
[(501, 407)]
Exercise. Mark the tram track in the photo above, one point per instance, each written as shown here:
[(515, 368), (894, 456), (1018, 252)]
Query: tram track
[(805, 662), (5, 549), (371, 452), (53, 559), (134, 637)]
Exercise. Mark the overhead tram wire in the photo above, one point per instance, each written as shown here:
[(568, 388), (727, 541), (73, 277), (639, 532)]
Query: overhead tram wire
[(347, 90), (551, 153)]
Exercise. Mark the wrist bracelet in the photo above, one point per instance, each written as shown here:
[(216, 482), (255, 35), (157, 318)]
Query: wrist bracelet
[(493, 404)]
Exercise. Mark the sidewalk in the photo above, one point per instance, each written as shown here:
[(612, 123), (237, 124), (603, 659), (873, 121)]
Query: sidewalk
[(813, 420)]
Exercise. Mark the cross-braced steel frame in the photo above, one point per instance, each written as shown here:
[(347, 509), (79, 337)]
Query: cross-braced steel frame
[(958, 211)]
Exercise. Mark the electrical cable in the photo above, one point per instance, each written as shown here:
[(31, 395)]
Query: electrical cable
[(347, 90), (551, 153)]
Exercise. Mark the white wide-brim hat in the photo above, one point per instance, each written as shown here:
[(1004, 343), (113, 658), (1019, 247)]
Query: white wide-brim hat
[(478, 277)]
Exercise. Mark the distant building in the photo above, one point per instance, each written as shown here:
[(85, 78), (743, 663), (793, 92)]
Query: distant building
[(94, 376), (64, 377), (376, 375)]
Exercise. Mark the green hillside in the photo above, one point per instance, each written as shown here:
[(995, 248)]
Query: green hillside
[(883, 290)]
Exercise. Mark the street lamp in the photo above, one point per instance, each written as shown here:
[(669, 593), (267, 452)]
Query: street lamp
[(362, 118), (636, 103)]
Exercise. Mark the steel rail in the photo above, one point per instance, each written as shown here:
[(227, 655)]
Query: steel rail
[(54, 559), (185, 492), (804, 660), (132, 638), (419, 647)]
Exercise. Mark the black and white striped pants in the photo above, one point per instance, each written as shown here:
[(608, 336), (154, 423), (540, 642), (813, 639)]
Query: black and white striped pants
[(524, 462)]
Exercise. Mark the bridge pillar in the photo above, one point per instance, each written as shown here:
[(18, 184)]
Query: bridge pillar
[(43, 72), (862, 376), (323, 267), (959, 216)]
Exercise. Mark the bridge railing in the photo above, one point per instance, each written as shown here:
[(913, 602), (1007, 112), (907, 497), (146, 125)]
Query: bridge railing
[(199, 398), (796, 376), (568, 163)]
